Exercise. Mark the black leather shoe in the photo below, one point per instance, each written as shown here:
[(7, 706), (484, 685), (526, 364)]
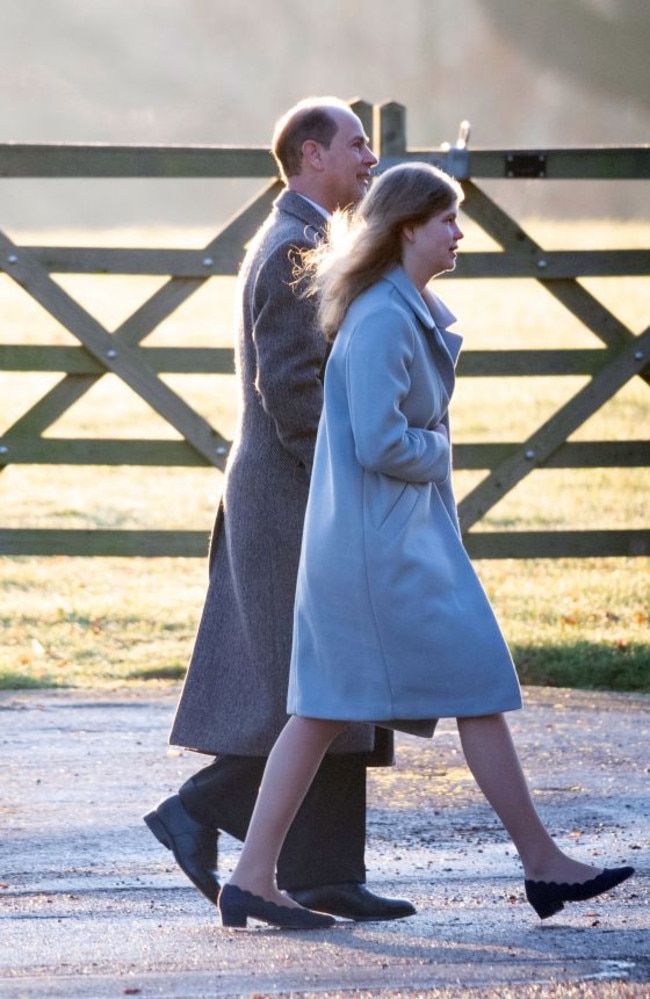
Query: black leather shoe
[(194, 845), (351, 900), (237, 905)]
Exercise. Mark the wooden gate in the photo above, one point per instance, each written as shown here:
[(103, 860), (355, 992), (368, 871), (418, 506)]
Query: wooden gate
[(623, 357)]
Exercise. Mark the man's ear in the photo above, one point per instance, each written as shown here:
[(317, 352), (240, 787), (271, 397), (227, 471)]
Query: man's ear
[(312, 154)]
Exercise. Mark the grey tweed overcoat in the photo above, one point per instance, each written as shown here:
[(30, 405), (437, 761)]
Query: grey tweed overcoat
[(235, 692)]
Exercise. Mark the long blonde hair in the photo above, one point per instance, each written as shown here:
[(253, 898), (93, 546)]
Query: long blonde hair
[(362, 246)]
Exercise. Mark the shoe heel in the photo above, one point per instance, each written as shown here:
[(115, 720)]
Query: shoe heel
[(233, 915), (546, 909), (237, 904), (158, 829), (234, 920), (545, 899)]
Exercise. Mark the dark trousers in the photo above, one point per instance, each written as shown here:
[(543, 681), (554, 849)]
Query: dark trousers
[(326, 842)]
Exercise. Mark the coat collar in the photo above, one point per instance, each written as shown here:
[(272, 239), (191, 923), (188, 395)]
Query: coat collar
[(431, 311), (400, 280), (294, 204)]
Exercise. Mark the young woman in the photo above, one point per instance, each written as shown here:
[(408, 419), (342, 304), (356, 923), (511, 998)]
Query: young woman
[(391, 624)]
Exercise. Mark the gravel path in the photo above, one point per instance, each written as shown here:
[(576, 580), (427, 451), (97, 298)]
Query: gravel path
[(92, 906)]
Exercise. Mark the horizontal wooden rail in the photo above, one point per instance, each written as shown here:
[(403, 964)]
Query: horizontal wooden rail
[(103, 451), (106, 543), (132, 451), (550, 264), (77, 360), (223, 259), (546, 264), (578, 454), (557, 544), (220, 360), (194, 544), (100, 160), (595, 163)]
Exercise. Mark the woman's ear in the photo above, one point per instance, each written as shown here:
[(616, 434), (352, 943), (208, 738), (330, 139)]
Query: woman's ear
[(408, 233)]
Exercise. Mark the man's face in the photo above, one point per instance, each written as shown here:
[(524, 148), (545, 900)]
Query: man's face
[(347, 163)]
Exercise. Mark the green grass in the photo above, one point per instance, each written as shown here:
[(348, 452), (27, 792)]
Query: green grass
[(575, 622), (110, 623)]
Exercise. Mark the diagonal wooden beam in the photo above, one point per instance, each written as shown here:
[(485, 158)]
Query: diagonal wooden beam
[(118, 357), (592, 314), (551, 435), (630, 360), (50, 406), (505, 231), (149, 315), (226, 247)]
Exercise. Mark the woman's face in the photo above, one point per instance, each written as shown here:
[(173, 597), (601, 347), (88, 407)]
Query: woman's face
[(433, 245)]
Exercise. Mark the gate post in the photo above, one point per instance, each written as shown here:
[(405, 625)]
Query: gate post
[(365, 113), (390, 129)]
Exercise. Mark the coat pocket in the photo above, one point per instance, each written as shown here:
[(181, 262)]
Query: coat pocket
[(392, 504)]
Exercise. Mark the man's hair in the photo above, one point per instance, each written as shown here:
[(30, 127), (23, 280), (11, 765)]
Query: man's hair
[(309, 119)]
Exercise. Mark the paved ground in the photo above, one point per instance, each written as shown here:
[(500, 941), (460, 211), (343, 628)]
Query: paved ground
[(92, 906)]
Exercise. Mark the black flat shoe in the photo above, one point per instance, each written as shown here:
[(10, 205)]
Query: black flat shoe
[(237, 905), (351, 900), (548, 897), (194, 845)]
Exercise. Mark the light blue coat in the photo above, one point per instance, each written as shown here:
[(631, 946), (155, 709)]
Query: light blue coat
[(391, 623)]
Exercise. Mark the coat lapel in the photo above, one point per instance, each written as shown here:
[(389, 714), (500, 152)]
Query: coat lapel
[(293, 204), (434, 316)]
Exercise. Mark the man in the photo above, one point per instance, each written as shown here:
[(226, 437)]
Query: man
[(233, 703)]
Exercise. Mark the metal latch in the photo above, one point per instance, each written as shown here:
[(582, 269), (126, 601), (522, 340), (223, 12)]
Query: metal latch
[(525, 165)]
